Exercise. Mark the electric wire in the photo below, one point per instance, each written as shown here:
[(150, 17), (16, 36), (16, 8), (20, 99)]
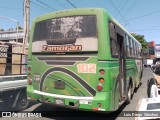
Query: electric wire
[(131, 7), (71, 3), (10, 8), (61, 4), (138, 17), (46, 5), (119, 4), (40, 6), (122, 7), (121, 15), (117, 9), (147, 28)]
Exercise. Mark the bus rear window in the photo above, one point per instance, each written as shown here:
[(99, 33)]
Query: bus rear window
[(56, 35)]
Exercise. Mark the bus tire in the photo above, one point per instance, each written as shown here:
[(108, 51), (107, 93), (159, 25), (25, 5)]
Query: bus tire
[(141, 75), (154, 91), (129, 94), (149, 86), (22, 102)]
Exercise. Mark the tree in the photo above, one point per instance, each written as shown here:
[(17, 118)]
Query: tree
[(141, 39), (1, 29), (10, 29), (19, 28)]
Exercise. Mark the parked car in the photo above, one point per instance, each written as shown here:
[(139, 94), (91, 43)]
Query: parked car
[(153, 84), (148, 62), (154, 65)]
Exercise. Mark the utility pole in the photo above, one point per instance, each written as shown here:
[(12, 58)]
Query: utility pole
[(26, 23)]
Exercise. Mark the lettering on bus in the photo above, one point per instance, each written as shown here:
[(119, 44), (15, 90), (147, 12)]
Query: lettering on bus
[(48, 48), (86, 68)]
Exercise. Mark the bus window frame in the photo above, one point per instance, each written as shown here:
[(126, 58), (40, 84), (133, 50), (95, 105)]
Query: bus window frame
[(127, 45), (117, 31), (112, 39)]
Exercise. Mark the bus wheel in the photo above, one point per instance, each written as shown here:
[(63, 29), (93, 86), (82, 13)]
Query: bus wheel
[(22, 103), (129, 94), (150, 89), (154, 91)]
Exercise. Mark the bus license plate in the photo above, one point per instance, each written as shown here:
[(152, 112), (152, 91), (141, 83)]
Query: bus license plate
[(59, 101)]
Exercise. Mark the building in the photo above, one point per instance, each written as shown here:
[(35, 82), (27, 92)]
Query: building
[(14, 38), (153, 50), (157, 50), (8, 36)]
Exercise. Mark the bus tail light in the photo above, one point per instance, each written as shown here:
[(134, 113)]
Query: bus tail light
[(29, 76), (101, 80), (99, 105), (94, 108), (29, 68), (30, 82), (101, 72), (99, 87)]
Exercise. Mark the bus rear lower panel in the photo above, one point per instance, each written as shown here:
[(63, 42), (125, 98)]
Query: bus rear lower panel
[(100, 102)]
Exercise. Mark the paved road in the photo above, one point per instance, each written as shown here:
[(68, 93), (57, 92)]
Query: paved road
[(141, 93)]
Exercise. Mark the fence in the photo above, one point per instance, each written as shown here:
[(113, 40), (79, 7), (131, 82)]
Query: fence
[(12, 63)]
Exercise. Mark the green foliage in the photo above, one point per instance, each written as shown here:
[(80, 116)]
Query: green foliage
[(19, 28), (141, 39), (1, 29)]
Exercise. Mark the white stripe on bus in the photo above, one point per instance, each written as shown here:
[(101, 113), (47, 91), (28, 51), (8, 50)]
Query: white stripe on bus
[(62, 96)]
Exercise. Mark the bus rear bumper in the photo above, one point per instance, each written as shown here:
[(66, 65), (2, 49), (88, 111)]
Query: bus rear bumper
[(100, 102)]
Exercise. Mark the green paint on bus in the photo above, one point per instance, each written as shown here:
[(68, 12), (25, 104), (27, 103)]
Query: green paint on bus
[(82, 58)]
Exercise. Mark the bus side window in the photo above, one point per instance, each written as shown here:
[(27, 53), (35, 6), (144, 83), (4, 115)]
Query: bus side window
[(136, 50), (130, 46), (113, 41), (127, 46), (139, 51)]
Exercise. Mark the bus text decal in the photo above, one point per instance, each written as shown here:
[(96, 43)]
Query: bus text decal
[(86, 68), (49, 48)]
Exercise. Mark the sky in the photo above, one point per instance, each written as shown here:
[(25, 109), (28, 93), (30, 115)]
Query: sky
[(137, 16)]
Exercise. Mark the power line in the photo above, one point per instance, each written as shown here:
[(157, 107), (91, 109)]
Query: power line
[(116, 9), (40, 6), (122, 7), (131, 7), (46, 4), (148, 28), (121, 15), (61, 4), (71, 4), (118, 5), (142, 16), (9, 8), (153, 36)]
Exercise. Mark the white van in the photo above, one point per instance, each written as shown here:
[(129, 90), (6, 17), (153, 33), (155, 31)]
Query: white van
[(148, 62)]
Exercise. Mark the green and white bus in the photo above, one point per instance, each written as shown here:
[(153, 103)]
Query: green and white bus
[(82, 58)]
